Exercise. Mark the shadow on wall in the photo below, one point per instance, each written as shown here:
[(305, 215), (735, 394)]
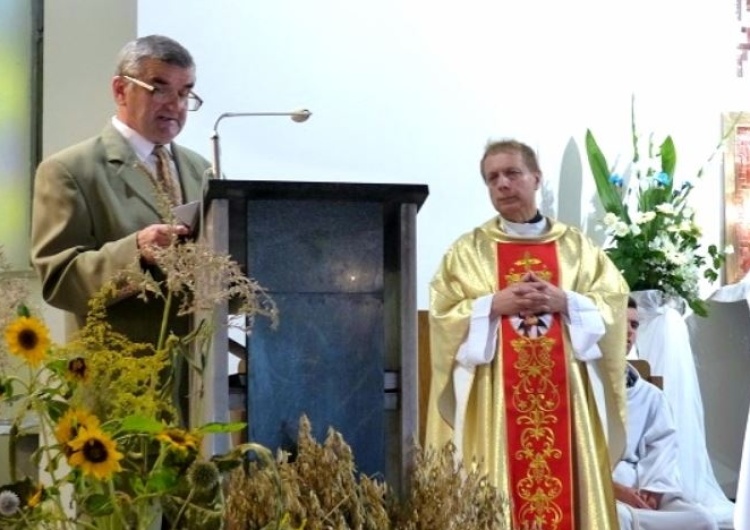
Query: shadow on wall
[(571, 197), (721, 346), (547, 203)]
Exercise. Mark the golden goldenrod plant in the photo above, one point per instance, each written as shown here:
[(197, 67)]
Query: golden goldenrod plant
[(109, 429)]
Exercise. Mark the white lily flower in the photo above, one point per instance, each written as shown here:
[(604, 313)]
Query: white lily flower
[(610, 219), (620, 229), (666, 208), (686, 226), (644, 217)]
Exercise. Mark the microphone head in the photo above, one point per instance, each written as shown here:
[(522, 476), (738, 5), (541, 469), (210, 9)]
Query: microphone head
[(301, 115)]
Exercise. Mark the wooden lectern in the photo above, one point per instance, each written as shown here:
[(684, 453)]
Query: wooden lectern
[(339, 260)]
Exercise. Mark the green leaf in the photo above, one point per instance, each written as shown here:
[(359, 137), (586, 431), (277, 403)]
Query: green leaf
[(226, 464), (217, 427), (699, 307), (56, 409), (136, 423), (137, 485), (98, 505), (162, 480), (59, 366), (668, 156), (606, 191), (6, 390)]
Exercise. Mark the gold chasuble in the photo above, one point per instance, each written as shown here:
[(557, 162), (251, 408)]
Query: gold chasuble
[(531, 420)]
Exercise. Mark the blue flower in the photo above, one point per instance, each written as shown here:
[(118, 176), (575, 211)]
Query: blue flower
[(616, 179), (663, 179)]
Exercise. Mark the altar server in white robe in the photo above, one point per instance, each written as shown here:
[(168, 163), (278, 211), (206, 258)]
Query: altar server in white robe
[(647, 479)]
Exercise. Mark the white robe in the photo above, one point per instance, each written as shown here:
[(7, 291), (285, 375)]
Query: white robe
[(663, 340), (650, 462)]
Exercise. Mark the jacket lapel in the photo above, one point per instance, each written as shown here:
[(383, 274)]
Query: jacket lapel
[(191, 177), (127, 168)]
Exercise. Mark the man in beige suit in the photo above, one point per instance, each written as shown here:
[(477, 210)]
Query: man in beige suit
[(96, 209)]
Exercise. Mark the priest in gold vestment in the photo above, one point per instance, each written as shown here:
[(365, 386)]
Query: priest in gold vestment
[(526, 338)]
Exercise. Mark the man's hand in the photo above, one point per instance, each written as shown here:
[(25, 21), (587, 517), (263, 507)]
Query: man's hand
[(631, 497), (651, 498), (158, 236), (530, 296)]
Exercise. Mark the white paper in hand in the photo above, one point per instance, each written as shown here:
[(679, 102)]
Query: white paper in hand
[(188, 214)]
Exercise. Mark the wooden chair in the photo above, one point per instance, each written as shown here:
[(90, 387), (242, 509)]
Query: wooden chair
[(644, 369)]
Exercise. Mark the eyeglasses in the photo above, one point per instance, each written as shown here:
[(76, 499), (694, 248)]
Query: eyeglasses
[(165, 95)]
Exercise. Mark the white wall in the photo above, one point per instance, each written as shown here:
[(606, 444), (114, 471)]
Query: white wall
[(81, 41), (409, 91)]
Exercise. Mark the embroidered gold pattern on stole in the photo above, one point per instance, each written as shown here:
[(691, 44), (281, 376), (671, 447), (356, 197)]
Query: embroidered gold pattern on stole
[(536, 398), (536, 393)]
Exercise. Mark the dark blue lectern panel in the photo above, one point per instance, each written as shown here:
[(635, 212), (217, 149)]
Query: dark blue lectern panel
[(330, 369), (322, 263)]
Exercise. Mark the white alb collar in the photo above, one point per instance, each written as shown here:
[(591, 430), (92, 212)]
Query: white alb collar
[(523, 229)]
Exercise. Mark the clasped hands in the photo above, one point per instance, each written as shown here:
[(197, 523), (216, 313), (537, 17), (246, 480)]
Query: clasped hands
[(530, 296), (158, 236), (643, 499)]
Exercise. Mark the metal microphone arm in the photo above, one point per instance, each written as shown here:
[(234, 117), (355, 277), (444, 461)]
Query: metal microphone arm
[(297, 116)]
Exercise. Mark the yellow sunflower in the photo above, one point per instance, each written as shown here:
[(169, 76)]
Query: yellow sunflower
[(95, 453), (77, 370), (179, 440), (72, 422), (28, 337)]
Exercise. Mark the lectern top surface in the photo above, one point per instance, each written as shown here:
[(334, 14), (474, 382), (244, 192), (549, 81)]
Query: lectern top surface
[(347, 191)]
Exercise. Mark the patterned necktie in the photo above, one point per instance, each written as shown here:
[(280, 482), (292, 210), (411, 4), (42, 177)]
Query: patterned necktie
[(166, 179)]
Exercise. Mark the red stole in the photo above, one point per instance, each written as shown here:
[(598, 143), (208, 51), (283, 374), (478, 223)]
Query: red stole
[(537, 399)]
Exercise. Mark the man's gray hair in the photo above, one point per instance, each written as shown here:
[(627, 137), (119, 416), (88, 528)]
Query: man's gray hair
[(136, 52), (509, 145)]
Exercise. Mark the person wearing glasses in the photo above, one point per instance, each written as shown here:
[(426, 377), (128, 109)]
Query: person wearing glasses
[(99, 205)]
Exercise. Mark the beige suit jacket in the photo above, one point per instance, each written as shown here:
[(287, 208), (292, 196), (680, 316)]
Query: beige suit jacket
[(89, 202)]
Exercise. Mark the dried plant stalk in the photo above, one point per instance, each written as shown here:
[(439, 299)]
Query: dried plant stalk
[(321, 489), (446, 496)]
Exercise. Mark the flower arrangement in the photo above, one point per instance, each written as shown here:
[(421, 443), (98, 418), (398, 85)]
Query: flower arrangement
[(110, 434), (652, 235)]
